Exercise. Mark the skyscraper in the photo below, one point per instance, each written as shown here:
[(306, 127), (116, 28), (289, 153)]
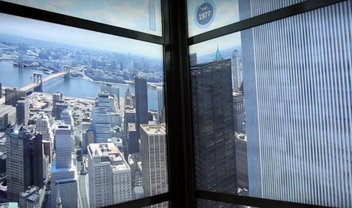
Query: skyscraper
[(238, 112), (0, 90), (154, 161), (58, 105), (109, 175), (141, 102), (214, 142), (241, 164), (236, 67), (7, 116), (63, 146), (13, 95), (161, 106), (101, 124), (22, 111), (297, 97), (42, 125), (24, 164), (63, 171)]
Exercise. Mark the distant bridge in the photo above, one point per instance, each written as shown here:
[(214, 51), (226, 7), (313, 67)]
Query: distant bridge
[(13, 95), (38, 81)]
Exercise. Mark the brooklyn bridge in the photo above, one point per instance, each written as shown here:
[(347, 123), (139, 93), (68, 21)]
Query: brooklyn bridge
[(13, 95)]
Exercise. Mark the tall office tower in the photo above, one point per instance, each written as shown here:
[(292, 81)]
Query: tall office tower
[(63, 171), (113, 90), (214, 142), (297, 98), (129, 112), (7, 116), (141, 97), (104, 100), (238, 113), (154, 163), (57, 97), (235, 68), (152, 17), (66, 117), (85, 126), (58, 105), (161, 106), (241, 164), (0, 90), (192, 59), (101, 124), (24, 164), (109, 175), (13, 95), (63, 146), (42, 125), (22, 111), (132, 139)]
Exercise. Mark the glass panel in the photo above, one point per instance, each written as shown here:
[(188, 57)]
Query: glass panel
[(205, 15), (141, 15), (160, 205), (215, 204), (80, 116), (272, 109)]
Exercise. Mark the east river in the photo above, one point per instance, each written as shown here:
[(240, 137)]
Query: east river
[(11, 76)]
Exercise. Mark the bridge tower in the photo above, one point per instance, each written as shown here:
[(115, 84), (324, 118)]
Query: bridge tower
[(20, 64), (67, 70), (38, 79)]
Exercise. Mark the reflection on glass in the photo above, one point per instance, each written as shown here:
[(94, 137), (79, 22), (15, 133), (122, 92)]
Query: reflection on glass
[(205, 15), (142, 15), (81, 116), (291, 117)]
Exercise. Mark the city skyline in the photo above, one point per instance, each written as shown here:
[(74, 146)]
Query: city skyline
[(40, 30)]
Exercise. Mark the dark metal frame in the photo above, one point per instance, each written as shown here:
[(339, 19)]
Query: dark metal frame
[(175, 41)]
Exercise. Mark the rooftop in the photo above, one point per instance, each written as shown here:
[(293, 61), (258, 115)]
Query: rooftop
[(108, 152), (154, 129)]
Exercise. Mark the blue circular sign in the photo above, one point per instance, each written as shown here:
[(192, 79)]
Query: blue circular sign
[(204, 14)]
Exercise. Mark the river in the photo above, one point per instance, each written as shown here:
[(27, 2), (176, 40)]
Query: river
[(11, 76)]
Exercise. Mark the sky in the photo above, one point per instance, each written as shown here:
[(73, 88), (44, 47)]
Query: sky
[(24, 27), (132, 14), (210, 46)]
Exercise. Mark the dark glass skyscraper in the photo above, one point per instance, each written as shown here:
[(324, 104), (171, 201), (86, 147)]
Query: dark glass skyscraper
[(22, 111), (24, 164), (140, 85), (214, 142)]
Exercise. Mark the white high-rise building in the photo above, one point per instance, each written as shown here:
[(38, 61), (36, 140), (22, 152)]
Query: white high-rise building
[(297, 89), (109, 175), (63, 170), (236, 68), (101, 124), (42, 125), (63, 146), (66, 116), (154, 163)]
